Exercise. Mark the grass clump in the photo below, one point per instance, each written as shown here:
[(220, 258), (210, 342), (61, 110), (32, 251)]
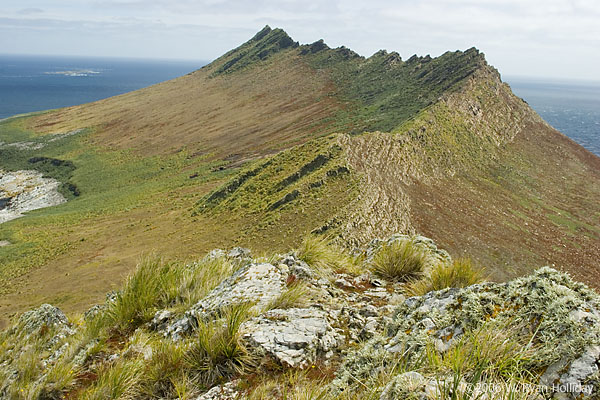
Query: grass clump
[(121, 380), (325, 257), (458, 274), (401, 261), (154, 283), (164, 374), (218, 352), (291, 385), (157, 284), (197, 279), (294, 296), (497, 350)]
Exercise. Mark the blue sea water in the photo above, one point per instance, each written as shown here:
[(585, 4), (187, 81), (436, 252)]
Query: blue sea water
[(35, 83), (571, 107)]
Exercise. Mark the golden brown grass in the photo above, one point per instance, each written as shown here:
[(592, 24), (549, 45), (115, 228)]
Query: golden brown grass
[(401, 261), (261, 110), (458, 274)]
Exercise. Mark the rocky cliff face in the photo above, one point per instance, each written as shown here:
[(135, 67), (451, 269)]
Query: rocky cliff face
[(23, 191), (347, 335)]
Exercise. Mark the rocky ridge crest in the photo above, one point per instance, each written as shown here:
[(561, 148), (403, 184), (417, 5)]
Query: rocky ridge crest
[(362, 326)]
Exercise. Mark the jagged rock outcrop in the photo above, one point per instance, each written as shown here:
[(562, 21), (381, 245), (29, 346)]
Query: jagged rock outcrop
[(557, 314), (45, 315), (363, 327)]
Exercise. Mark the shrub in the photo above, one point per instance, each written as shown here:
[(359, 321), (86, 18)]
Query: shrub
[(459, 274), (399, 261)]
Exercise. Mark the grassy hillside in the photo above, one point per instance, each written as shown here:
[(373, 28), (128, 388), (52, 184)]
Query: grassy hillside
[(275, 140)]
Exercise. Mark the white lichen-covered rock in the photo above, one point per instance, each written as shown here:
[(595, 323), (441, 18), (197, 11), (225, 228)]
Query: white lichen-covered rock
[(255, 283), (560, 314), (45, 315), (295, 337), (239, 253), (571, 379), (227, 391)]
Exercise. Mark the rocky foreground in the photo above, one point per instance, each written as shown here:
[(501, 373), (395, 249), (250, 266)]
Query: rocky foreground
[(296, 326), (22, 191)]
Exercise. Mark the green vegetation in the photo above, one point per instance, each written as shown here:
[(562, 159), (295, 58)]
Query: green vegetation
[(20, 152), (325, 257), (218, 353), (108, 184), (295, 295), (263, 45), (504, 342), (157, 284), (400, 260), (119, 381), (123, 202), (492, 352), (300, 188), (384, 91), (458, 274), (154, 284)]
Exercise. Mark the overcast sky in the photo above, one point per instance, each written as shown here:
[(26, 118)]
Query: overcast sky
[(543, 38)]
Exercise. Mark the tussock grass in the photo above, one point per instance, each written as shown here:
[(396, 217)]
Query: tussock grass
[(218, 352), (120, 380), (294, 296), (157, 284), (197, 279), (59, 380), (401, 261), (458, 274), (494, 351), (164, 374), (154, 283), (291, 385), (325, 257)]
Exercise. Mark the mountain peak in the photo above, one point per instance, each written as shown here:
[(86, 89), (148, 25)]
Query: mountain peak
[(263, 45), (262, 33)]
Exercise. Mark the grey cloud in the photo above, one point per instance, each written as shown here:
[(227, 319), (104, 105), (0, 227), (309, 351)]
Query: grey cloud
[(30, 11)]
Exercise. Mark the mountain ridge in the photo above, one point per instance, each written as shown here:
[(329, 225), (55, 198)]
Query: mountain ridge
[(305, 139)]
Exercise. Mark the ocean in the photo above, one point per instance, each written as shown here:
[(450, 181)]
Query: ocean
[(36, 83), (571, 107)]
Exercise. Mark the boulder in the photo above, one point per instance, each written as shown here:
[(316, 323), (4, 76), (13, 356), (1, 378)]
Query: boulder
[(295, 337), (255, 283), (45, 315), (227, 391)]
